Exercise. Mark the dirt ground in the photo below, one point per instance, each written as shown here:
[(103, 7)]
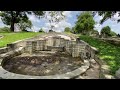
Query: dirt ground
[(45, 64)]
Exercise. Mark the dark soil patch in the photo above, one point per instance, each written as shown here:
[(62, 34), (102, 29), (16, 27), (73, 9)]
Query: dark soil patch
[(58, 63)]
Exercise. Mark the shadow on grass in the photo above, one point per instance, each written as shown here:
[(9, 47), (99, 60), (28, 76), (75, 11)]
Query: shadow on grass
[(108, 52)]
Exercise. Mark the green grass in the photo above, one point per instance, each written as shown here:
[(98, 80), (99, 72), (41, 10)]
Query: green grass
[(12, 37), (108, 52)]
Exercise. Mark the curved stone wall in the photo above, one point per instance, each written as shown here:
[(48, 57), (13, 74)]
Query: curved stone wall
[(8, 75), (82, 49)]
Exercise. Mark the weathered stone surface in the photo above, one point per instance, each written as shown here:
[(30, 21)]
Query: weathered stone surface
[(105, 69), (107, 76), (117, 74), (72, 47), (3, 50)]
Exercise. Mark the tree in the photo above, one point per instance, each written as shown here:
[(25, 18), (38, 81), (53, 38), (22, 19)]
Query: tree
[(106, 15), (85, 23), (118, 35), (54, 17), (95, 32), (106, 31), (12, 17), (4, 29), (41, 30), (73, 30), (67, 29), (24, 25)]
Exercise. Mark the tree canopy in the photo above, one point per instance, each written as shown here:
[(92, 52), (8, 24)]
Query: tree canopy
[(12, 17), (106, 15), (67, 29), (85, 23), (106, 30), (24, 25), (41, 30)]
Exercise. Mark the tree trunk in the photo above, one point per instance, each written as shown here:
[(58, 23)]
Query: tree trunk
[(12, 26), (12, 22)]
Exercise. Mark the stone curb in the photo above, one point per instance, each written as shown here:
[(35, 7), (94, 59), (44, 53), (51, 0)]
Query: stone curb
[(9, 75), (104, 69)]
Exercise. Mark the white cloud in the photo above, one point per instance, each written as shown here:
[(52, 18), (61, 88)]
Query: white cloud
[(97, 18), (67, 13), (34, 29), (116, 16), (59, 26), (110, 22), (98, 27), (1, 23), (33, 18)]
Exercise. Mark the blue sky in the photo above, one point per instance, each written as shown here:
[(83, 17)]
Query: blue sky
[(69, 21)]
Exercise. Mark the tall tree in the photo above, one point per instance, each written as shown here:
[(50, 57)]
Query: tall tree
[(12, 17), (85, 23)]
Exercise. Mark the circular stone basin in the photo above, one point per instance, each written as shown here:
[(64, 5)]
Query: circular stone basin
[(42, 64)]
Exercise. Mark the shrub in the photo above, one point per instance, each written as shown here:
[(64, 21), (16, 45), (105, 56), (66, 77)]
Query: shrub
[(4, 29)]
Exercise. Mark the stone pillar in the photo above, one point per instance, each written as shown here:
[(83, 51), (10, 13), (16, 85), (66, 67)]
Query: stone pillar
[(45, 44), (62, 42), (82, 51), (34, 46), (41, 45), (56, 41), (75, 50), (29, 47), (49, 41), (37, 45), (68, 47), (88, 52)]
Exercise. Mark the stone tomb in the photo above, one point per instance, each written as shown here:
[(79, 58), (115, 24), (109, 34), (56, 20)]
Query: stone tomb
[(56, 43)]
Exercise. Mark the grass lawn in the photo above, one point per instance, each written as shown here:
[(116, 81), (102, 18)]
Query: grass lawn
[(12, 37), (108, 52)]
